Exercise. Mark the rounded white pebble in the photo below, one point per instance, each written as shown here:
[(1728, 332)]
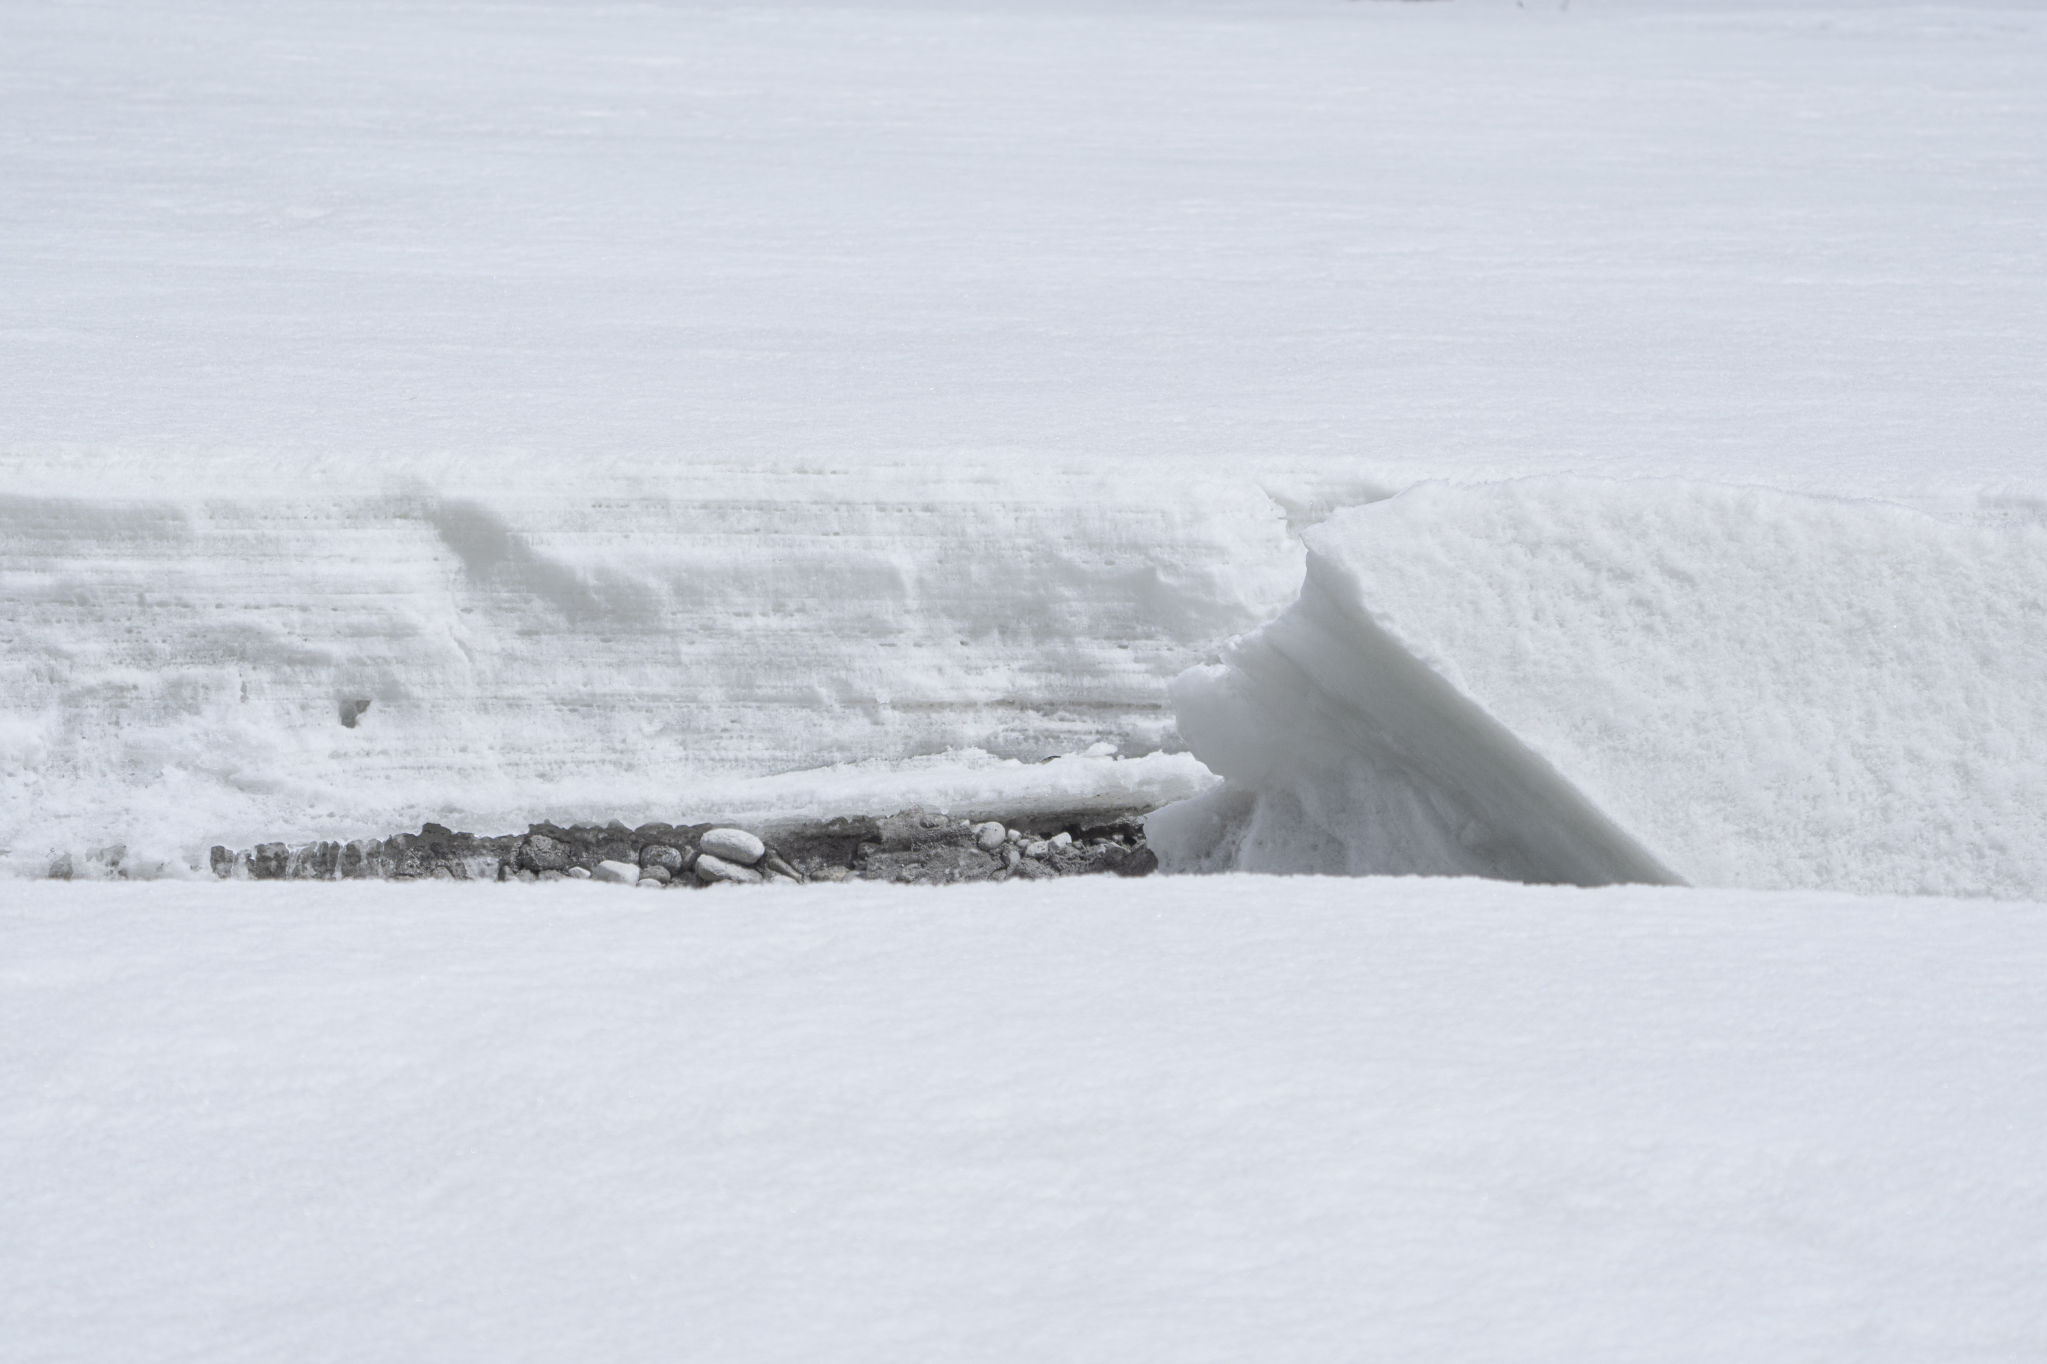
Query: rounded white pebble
[(711, 867), (1062, 840), (577, 873), (650, 883), (1038, 848), (988, 837), (617, 873), (733, 845)]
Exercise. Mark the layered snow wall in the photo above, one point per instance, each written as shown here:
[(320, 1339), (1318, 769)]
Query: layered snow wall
[(1588, 681), (187, 664)]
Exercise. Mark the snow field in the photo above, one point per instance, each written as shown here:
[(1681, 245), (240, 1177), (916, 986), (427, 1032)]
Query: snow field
[(1313, 242), (1211, 1118), (1589, 681)]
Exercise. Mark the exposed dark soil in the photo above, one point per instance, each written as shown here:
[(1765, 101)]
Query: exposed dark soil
[(911, 848)]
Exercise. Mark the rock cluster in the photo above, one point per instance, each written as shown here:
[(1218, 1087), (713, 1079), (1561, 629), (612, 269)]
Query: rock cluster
[(911, 848)]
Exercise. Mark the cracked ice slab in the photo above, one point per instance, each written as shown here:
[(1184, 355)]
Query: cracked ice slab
[(1589, 681)]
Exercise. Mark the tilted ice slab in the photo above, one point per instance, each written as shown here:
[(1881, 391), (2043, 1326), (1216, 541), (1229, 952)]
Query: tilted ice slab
[(186, 667), (1588, 681)]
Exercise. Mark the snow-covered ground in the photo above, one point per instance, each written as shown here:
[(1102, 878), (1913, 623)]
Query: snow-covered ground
[(712, 410), (1783, 241), (1192, 1118), (632, 400)]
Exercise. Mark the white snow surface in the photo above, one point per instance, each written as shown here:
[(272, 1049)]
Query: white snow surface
[(177, 667), (1334, 241), (1194, 1119), (630, 400), (1598, 681)]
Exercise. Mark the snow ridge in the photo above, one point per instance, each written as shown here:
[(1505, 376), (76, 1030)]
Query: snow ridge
[(1587, 681), (182, 669)]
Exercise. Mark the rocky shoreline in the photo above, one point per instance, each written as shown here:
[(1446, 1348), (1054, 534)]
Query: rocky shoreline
[(911, 848)]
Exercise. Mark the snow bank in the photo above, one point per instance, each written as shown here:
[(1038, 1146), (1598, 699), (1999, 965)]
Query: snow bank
[(1586, 681), (183, 669), (622, 397), (1213, 1119)]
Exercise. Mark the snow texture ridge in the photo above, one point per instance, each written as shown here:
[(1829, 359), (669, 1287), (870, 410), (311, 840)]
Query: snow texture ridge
[(183, 670), (1589, 681)]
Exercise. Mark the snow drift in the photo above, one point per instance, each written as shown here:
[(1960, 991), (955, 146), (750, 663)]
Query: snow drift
[(183, 668), (1587, 681)]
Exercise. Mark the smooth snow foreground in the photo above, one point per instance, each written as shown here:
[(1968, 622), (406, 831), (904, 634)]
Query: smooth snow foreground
[(1221, 1118), (1583, 681)]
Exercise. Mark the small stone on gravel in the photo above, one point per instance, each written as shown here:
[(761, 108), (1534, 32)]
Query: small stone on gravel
[(988, 837), (661, 855), (711, 867), (1061, 839), (733, 846), (541, 853), (1037, 848), (617, 873)]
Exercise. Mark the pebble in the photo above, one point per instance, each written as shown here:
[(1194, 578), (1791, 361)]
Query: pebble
[(656, 873), (988, 837), (1018, 836), (668, 859), (1062, 839), (1037, 848), (712, 867), (1010, 858), (541, 853), (576, 873), (650, 883), (617, 873), (732, 845)]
